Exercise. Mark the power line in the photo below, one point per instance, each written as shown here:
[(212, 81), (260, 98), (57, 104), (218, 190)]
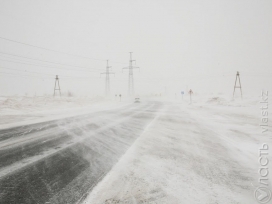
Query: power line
[(31, 72), (43, 60), (26, 71), (52, 50), (50, 66), (19, 75)]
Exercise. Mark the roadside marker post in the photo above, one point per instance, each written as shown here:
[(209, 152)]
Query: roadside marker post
[(182, 93), (190, 92)]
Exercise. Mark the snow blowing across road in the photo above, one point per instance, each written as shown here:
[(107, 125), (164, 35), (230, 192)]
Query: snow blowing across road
[(199, 153), (155, 151)]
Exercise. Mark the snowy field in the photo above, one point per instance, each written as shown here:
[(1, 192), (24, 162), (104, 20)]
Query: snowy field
[(93, 150), (23, 110), (143, 111), (206, 152)]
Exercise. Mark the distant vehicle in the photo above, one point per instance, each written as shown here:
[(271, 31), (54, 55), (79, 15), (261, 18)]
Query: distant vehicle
[(137, 100)]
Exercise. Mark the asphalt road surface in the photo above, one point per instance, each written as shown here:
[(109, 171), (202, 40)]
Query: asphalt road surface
[(61, 161)]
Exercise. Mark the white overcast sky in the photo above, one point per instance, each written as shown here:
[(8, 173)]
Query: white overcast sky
[(177, 44)]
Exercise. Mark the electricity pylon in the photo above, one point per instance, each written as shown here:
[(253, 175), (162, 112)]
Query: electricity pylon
[(240, 86), (130, 76), (57, 84), (107, 88)]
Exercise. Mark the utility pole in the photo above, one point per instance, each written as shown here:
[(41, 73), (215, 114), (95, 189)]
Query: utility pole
[(130, 76), (57, 84), (235, 86), (107, 85)]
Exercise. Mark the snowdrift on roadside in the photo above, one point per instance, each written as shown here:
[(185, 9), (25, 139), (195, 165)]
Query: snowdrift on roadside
[(24, 103)]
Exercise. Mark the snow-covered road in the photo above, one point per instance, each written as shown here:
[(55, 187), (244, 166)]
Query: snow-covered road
[(190, 154), (61, 161), (151, 152)]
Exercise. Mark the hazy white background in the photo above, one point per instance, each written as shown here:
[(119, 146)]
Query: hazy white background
[(177, 44)]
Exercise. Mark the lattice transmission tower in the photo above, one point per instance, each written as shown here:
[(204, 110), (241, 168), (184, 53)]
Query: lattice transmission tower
[(236, 86), (107, 84), (57, 86), (130, 75)]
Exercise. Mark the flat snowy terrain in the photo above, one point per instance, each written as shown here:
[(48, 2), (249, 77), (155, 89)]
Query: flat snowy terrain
[(107, 151), (25, 110), (199, 153)]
